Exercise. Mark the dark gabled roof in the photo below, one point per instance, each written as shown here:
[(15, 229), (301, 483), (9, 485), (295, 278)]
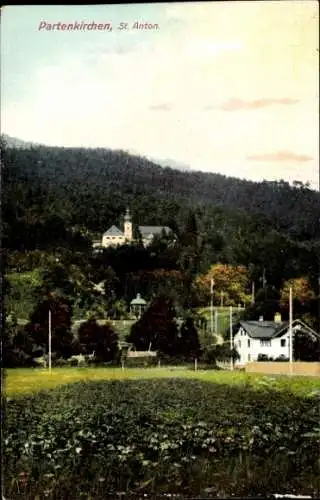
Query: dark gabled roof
[(151, 230), (263, 329), (113, 231), (271, 329)]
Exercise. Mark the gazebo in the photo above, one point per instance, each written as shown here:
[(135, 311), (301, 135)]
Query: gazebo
[(138, 306)]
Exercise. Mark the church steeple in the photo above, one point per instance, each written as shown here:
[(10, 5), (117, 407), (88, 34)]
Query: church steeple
[(127, 226), (127, 217)]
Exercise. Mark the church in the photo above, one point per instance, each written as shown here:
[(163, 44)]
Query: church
[(114, 236)]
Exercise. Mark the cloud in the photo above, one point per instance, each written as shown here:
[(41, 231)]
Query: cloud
[(238, 104), (161, 107), (210, 107), (280, 156)]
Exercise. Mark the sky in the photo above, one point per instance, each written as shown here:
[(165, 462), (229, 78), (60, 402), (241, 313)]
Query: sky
[(226, 87)]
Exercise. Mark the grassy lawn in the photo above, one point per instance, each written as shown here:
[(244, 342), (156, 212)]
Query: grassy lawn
[(27, 380), (223, 316)]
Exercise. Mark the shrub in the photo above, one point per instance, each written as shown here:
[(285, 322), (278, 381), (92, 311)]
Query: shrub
[(60, 362), (141, 362), (100, 339), (218, 352), (282, 358), (264, 357), (175, 360)]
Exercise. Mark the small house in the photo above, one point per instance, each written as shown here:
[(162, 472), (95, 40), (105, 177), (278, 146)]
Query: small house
[(267, 338)]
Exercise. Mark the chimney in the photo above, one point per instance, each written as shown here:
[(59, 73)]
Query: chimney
[(277, 318), (260, 318)]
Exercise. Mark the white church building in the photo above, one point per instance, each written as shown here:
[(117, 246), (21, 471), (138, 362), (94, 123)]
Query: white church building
[(114, 236)]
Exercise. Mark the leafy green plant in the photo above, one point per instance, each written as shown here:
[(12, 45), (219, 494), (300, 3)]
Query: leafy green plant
[(176, 436)]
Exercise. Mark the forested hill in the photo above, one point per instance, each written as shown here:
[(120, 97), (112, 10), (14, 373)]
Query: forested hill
[(91, 187)]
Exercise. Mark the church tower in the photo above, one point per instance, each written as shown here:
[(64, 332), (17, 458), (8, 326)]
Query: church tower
[(127, 226)]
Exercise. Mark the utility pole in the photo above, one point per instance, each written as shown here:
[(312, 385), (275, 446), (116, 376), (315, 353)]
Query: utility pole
[(49, 341), (253, 292), (211, 306), (319, 299), (231, 339), (264, 280), (290, 332), (216, 322), (264, 283)]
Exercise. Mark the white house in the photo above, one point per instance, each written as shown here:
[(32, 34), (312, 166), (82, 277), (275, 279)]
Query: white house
[(270, 338), (114, 236)]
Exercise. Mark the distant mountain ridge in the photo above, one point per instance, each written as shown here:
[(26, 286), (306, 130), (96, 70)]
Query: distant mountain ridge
[(13, 142), (176, 165), (112, 178)]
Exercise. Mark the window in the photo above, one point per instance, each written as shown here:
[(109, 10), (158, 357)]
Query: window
[(249, 357), (283, 342), (265, 343), (239, 343), (248, 342)]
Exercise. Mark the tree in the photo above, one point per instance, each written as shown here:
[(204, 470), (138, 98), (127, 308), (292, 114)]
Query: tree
[(305, 347), (17, 347), (156, 328), (67, 279), (156, 282), (266, 304), (230, 282), (111, 283), (190, 257), (301, 292), (189, 340), (61, 336), (100, 339)]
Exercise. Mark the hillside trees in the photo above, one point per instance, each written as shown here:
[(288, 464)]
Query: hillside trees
[(91, 188), (305, 301), (56, 199), (301, 291), (230, 285), (156, 282), (190, 249)]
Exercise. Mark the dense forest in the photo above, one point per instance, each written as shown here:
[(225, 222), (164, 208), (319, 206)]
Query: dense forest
[(56, 201), (91, 187)]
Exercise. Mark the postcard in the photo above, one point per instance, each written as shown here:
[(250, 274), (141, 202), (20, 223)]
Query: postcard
[(160, 240)]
